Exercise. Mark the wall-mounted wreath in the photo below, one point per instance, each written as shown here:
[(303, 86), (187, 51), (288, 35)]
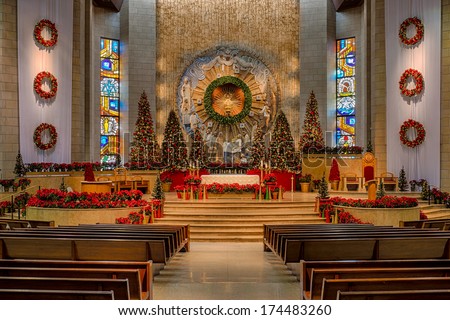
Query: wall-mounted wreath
[(224, 82), (38, 81), (418, 79), (420, 130), (45, 23), (37, 136), (419, 31)]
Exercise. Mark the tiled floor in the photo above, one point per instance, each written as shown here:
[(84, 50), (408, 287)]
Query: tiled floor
[(226, 271)]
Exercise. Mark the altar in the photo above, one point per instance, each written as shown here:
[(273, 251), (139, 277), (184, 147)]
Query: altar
[(230, 178)]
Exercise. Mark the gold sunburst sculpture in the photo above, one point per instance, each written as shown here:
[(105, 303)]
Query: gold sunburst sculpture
[(228, 100)]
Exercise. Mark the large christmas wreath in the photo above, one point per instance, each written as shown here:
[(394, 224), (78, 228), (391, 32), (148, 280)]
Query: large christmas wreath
[(418, 79), (38, 80), (419, 31), (420, 133), (44, 23), (208, 101), (37, 136)]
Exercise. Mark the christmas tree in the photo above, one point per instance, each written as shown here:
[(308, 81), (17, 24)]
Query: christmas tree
[(323, 188), (312, 136), (174, 151), (402, 182), (380, 191), (144, 148), (258, 149), (198, 155), (282, 149), (369, 147), (158, 192), (19, 168), (426, 193)]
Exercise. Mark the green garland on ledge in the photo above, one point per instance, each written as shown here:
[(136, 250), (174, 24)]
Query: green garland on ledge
[(208, 100)]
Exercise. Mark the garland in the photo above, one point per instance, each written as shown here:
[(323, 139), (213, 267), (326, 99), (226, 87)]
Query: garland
[(37, 137), (38, 80), (419, 31), (224, 119), (53, 31), (420, 133), (418, 79)]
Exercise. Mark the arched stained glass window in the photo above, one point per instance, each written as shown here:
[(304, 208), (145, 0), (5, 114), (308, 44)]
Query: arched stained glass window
[(109, 100), (345, 91)]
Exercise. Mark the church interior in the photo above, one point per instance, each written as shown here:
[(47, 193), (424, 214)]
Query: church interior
[(224, 150)]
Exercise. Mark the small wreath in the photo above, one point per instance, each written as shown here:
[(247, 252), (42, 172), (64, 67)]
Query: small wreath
[(208, 101), (37, 136), (419, 31), (418, 79), (44, 23), (38, 80), (408, 124)]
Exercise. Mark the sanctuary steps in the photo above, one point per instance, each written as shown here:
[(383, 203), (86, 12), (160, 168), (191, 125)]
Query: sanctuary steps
[(235, 220)]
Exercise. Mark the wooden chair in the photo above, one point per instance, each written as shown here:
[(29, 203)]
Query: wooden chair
[(368, 167), (351, 179), (389, 180), (122, 180)]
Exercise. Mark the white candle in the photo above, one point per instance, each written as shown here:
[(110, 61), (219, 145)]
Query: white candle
[(261, 163)]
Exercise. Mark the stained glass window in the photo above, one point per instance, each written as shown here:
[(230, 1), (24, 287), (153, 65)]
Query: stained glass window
[(109, 100), (345, 92)]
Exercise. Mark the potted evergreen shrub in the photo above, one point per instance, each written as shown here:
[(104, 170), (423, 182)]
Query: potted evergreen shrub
[(334, 176)]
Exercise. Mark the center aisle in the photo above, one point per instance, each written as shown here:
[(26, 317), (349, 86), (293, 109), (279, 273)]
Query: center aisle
[(226, 271)]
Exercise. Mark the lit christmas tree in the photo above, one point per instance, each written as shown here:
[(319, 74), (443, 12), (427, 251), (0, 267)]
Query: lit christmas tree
[(312, 136), (19, 168), (380, 191), (174, 151), (323, 188), (158, 192), (198, 149), (258, 149), (402, 182), (282, 148), (144, 148)]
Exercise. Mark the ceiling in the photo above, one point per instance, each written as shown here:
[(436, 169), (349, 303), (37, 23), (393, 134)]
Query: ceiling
[(341, 5)]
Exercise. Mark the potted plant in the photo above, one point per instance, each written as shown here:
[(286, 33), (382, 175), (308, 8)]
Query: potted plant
[(277, 192), (6, 184), (270, 179), (166, 180), (179, 190), (305, 182), (334, 176), (24, 183), (166, 183)]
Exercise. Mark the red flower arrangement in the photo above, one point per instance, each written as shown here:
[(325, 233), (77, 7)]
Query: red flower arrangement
[(419, 31), (421, 133), (220, 188), (190, 179), (37, 136), (418, 79), (45, 23), (39, 79), (54, 198), (270, 177)]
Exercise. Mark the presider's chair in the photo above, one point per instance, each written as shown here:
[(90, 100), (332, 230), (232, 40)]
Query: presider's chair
[(369, 163)]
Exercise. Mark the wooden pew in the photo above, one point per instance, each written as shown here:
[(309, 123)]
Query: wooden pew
[(82, 249), (118, 286), (145, 268), (317, 275), (306, 267), (330, 287), (443, 294), (29, 223), (29, 294), (420, 223), (132, 275)]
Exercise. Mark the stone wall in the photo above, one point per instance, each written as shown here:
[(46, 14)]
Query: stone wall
[(268, 28), (445, 97), (9, 111)]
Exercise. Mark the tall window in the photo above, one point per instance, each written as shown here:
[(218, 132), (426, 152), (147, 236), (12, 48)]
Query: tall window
[(109, 100), (345, 89)]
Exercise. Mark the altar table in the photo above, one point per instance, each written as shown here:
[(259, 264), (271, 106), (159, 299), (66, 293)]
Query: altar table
[(230, 178)]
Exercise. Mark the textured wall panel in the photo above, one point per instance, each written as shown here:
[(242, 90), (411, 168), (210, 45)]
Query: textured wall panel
[(270, 29)]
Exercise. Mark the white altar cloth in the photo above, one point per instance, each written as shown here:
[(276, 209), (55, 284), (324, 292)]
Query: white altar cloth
[(230, 178)]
